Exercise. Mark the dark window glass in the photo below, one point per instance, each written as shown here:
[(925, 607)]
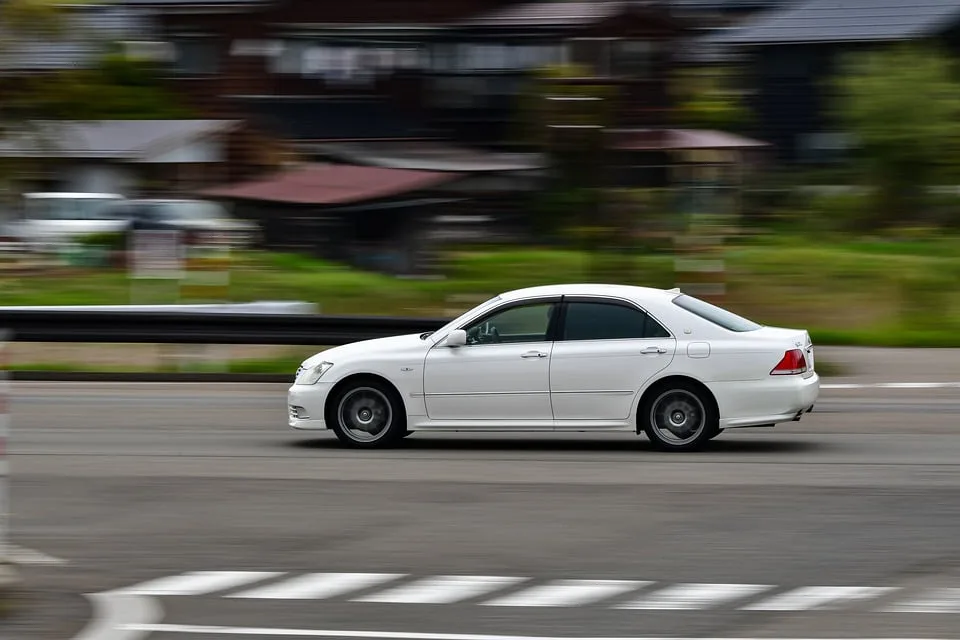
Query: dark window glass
[(526, 323), (716, 315), (605, 321)]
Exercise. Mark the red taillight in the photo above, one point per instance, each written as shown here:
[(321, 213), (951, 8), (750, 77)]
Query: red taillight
[(793, 363)]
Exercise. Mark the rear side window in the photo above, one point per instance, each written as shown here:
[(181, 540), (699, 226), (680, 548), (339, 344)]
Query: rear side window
[(607, 321), (716, 315)]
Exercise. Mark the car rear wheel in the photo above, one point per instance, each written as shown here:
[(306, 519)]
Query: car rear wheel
[(367, 414), (679, 417)]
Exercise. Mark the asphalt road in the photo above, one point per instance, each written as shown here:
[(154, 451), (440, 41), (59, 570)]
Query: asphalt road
[(130, 483)]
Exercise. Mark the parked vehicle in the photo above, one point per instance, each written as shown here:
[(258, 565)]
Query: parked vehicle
[(565, 358), (192, 217), (51, 219)]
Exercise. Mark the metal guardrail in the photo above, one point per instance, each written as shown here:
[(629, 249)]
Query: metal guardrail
[(201, 327)]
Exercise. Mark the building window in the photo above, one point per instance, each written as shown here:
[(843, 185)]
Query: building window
[(632, 58), (196, 56)]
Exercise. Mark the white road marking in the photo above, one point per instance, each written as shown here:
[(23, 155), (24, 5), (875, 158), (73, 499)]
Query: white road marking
[(807, 598), (22, 555), (891, 385), (567, 593), (442, 589), (196, 583), (939, 601), (695, 596), (114, 617), (391, 635), (316, 586)]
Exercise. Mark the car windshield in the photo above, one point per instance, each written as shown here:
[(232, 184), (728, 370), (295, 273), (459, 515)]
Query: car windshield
[(69, 208), (711, 313)]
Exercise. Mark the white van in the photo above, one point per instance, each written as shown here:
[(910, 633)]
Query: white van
[(53, 218)]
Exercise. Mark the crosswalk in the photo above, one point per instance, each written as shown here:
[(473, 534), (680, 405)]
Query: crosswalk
[(520, 592)]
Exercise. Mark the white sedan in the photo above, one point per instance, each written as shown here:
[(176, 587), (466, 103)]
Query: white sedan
[(565, 358)]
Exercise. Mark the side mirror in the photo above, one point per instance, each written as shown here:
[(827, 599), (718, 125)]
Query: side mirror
[(457, 338)]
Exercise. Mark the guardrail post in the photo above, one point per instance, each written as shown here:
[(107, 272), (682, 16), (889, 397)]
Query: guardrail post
[(8, 574)]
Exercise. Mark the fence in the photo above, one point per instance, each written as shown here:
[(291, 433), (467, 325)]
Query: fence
[(148, 326)]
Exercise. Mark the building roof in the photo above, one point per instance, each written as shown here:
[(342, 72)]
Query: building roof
[(428, 156), (549, 14), (727, 5), (844, 21), (195, 4), (682, 140), (118, 140), (331, 184), (330, 119)]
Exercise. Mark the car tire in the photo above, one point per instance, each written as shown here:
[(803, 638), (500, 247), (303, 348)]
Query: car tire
[(679, 416), (367, 414)]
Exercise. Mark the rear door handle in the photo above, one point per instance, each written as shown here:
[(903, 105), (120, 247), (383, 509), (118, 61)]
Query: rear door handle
[(534, 354), (654, 350)]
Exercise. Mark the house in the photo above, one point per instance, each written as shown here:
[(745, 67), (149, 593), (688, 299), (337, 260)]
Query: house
[(415, 70), (791, 54), (120, 156), (372, 217)]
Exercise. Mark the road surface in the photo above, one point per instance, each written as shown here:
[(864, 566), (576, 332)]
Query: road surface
[(203, 514)]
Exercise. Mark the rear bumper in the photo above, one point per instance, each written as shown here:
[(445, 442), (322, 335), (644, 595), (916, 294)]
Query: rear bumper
[(765, 402)]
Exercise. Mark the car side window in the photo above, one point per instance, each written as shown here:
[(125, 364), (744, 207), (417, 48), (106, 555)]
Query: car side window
[(525, 323), (609, 321)]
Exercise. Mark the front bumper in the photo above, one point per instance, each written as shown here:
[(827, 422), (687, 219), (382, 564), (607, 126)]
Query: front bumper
[(306, 406)]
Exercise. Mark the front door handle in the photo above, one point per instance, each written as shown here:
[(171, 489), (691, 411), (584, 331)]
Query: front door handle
[(534, 354), (654, 350)]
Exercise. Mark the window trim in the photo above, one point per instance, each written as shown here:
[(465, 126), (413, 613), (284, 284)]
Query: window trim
[(757, 326), (605, 299), (552, 329)]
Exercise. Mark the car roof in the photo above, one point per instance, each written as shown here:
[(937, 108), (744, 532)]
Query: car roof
[(614, 290)]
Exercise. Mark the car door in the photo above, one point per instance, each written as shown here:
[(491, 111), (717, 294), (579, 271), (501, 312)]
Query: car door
[(502, 373), (606, 350)]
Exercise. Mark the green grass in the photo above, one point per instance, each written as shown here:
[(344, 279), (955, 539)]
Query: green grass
[(871, 292)]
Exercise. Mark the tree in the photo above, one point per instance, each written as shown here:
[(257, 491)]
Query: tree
[(119, 87), (902, 107), (709, 99)]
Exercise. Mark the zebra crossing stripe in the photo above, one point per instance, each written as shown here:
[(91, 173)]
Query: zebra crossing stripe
[(807, 598), (372, 588), (939, 601), (695, 596), (197, 583), (442, 590), (318, 586), (567, 593)]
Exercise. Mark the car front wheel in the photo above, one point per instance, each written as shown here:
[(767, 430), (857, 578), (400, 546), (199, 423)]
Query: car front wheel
[(367, 414), (679, 417)]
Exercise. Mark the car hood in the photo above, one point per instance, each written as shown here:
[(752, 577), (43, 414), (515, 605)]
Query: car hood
[(410, 342)]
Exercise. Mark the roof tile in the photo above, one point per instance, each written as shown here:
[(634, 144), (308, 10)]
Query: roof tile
[(844, 20), (319, 184)]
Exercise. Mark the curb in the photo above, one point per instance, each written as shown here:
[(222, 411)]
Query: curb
[(83, 376)]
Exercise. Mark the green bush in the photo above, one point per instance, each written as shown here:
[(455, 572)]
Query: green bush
[(111, 241), (837, 212)]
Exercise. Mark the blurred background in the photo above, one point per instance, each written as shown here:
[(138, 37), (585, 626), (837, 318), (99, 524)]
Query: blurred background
[(794, 160)]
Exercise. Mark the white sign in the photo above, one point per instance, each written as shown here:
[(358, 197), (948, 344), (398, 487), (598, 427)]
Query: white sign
[(156, 254)]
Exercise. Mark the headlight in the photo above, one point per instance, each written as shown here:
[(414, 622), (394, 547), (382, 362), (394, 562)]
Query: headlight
[(310, 375)]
